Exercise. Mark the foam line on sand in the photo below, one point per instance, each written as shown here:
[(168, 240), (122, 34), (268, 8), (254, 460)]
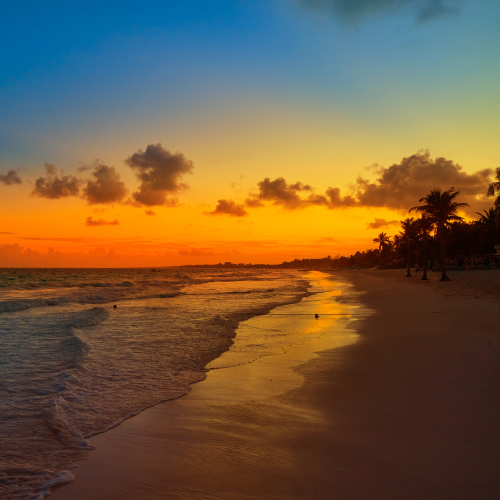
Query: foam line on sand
[(410, 411)]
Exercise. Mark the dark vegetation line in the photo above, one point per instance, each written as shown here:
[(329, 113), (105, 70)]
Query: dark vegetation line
[(438, 239)]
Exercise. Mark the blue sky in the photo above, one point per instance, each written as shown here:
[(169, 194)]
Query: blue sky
[(74, 69), (302, 89)]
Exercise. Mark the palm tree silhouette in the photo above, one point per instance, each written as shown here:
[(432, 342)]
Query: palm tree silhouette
[(441, 208), (424, 227), (494, 188), (384, 243), (408, 234), (486, 225)]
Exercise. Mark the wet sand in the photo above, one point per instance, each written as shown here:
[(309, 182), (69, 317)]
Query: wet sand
[(411, 410)]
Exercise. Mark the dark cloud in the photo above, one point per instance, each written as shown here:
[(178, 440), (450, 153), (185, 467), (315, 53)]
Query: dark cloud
[(160, 173), (106, 187), (279, 192), (398, 187), (100, 222), (150, 212), (6, 232), (331, 199), (437, 8), (228, 207), (401, 185), (84, 168), (11, 177), (378, 223), (355, 11), (54, 187)]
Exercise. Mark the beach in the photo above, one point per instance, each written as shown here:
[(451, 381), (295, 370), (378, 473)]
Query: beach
[(407, 409)]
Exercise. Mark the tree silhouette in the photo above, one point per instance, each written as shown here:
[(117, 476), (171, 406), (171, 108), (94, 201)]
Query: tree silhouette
[(424, 226), (408, 234), (486, 225), (384, 244), (494, 188), (441, 208)]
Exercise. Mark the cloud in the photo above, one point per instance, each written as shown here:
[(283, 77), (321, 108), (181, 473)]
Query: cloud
[(150, 212), (100, 222), (401, 185), (106, 188), (378, 223), (11, 177), (160, 173), (220, 252), (331, 199), (84, 168), (195, 252), (355, 11), (54, 187), (398, 187), (38, 238), (6, 232), (228, 207), (279, 192)]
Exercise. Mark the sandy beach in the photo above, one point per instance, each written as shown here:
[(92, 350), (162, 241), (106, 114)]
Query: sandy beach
[(406, 406)]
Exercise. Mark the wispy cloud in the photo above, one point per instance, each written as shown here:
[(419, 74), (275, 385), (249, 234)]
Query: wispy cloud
[(378, 223), (356, 11), (100, 222), (56, 238), (10, 178)]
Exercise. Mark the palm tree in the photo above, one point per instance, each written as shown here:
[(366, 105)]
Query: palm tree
[(384, 243), (486, 225), (424, 226), (408, 234), (441, 208), (494, 188)]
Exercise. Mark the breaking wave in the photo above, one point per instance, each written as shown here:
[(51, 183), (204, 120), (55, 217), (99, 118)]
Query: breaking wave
[(69, 371)]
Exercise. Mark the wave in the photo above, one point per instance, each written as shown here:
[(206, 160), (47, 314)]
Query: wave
[(90, 317), (22, 304), (83, 391), (32, 484), (66, 434), (247, 292)]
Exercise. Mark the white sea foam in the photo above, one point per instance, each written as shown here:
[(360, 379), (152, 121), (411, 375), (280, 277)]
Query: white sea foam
[(69, 371)]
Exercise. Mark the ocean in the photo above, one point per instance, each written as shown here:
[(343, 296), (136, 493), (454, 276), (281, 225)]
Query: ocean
[(72, 365)]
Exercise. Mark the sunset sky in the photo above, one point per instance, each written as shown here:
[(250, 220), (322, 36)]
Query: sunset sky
[(165, 133)]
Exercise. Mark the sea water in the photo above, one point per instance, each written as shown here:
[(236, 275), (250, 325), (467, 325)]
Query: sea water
[(72, 366)]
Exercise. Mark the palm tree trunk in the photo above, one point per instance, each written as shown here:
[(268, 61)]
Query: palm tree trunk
[(442, 244), (408, 273), (424, 275)]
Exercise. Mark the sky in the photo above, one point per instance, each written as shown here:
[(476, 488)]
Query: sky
[(160, 133)]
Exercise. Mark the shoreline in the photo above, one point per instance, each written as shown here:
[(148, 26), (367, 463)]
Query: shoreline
[(410, 411)]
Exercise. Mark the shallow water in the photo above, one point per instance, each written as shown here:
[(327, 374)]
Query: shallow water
[(72, 366), (260, 364), (195, 446)]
